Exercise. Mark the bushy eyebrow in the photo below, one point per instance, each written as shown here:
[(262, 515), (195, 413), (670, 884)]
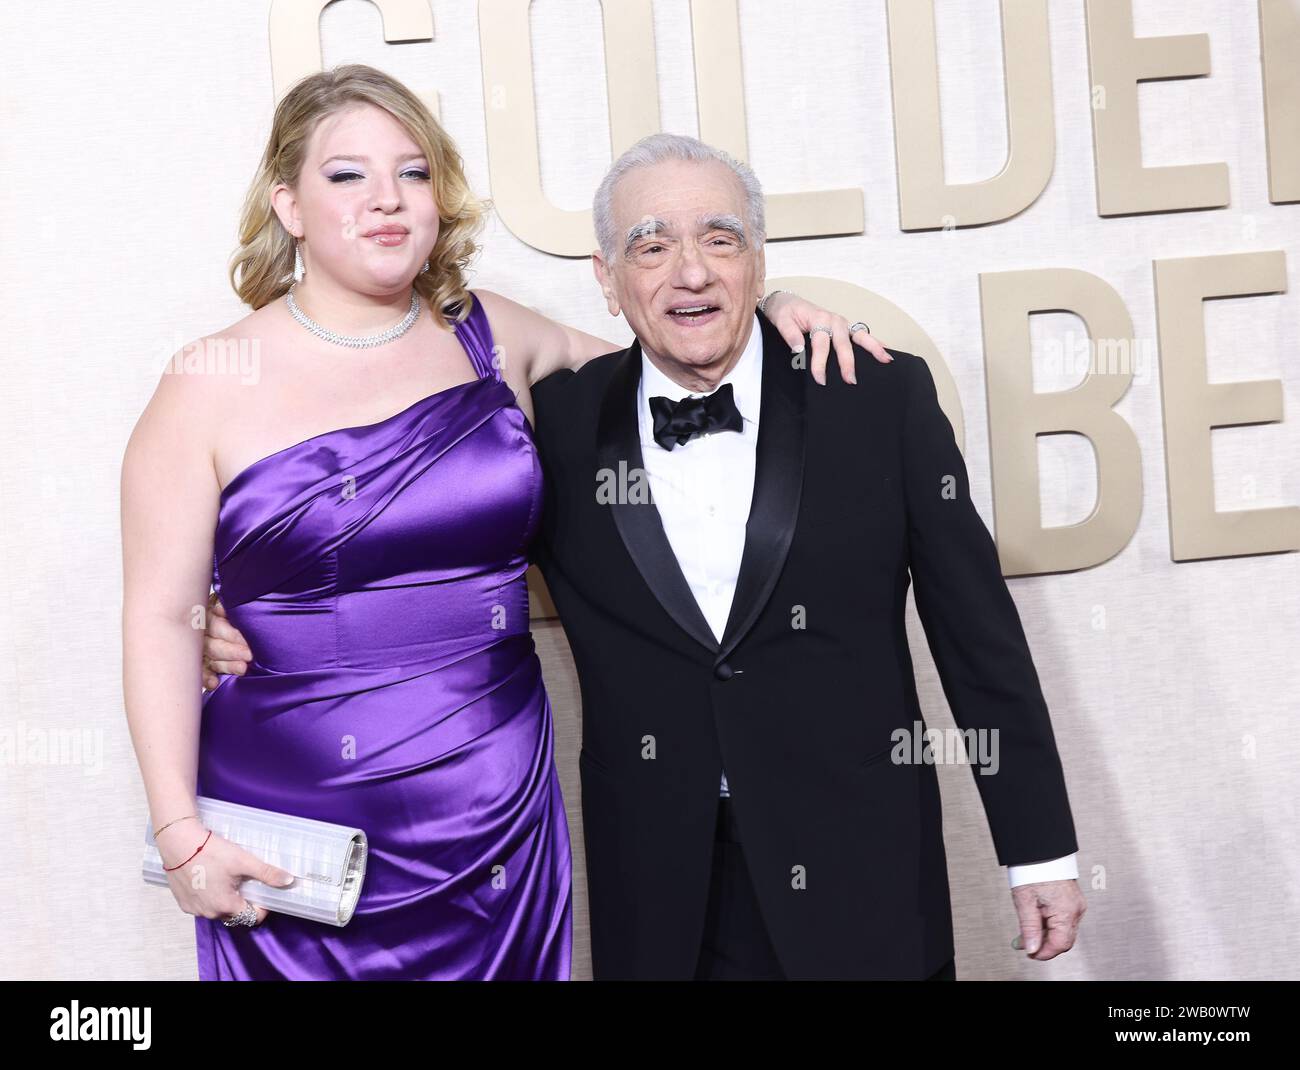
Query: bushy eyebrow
[(649, 227)]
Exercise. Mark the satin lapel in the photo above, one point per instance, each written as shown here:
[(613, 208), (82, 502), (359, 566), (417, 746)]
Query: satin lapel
[(639, 524), (778, 484)]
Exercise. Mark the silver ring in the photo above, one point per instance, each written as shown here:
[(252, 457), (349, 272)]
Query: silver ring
[(826, 329), (859, 326), (246, 916)]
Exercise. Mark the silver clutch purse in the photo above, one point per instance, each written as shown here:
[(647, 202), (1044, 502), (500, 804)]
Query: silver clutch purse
[(328, 861)]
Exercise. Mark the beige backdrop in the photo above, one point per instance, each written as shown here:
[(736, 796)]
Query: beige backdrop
[(130, 132)]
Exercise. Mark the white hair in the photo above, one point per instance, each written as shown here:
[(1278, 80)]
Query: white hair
[(658, 148)]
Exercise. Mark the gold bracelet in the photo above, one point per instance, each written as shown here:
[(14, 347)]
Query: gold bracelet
[(171, 823)]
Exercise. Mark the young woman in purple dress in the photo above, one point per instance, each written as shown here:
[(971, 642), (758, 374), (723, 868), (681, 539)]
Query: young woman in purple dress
[(351, 467)]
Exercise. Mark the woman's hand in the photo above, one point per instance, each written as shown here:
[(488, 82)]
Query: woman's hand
[(794, 317), (224, 649), (208, 884)]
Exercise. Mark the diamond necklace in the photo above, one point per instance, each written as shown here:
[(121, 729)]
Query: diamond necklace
[(353, 340)]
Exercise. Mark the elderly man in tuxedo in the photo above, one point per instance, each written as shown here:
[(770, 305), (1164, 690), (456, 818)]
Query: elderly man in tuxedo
[(729, 547)]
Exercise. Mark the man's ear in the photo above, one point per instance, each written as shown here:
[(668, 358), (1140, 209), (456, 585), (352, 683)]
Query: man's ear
[(601, 271)]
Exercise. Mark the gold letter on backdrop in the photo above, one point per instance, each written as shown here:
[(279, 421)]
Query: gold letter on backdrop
[(925, 199), (1118, 62), (1279, 45), (1018, 415), (1193, 406), (633, 86), (295, 37)]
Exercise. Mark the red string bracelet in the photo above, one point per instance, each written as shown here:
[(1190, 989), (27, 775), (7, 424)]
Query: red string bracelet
[(168, 869)]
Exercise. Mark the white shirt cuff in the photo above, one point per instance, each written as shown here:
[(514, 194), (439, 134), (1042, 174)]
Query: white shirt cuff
[(1057, 869)]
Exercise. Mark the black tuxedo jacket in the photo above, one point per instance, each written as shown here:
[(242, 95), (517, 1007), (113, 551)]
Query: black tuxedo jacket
[(799, 700)]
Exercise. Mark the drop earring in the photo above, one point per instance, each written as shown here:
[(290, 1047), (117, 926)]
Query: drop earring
[(425, 268), (298, 269)]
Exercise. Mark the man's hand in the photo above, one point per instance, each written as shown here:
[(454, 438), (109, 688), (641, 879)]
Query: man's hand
[(1049, 915), (794, 317), (224, 649)]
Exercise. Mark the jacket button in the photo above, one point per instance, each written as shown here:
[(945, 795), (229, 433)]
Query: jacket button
[(723, 671)]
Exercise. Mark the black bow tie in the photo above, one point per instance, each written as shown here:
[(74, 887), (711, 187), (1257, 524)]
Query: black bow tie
[(677, 422)]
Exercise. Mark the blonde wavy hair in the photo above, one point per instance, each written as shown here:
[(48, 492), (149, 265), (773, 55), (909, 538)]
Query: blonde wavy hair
[(261, 269)]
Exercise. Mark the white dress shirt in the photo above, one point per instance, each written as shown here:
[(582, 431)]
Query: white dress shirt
[(703, 489)]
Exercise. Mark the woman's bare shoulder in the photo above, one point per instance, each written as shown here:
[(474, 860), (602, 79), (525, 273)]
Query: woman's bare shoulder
[(494, 302), (517, 332), (203, 376), (509, 319)]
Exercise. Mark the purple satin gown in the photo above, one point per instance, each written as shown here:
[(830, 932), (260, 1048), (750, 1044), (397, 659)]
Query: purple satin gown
[(377, 573)]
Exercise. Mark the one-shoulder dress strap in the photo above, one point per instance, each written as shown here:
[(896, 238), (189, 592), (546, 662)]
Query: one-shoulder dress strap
[(475, 334)]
